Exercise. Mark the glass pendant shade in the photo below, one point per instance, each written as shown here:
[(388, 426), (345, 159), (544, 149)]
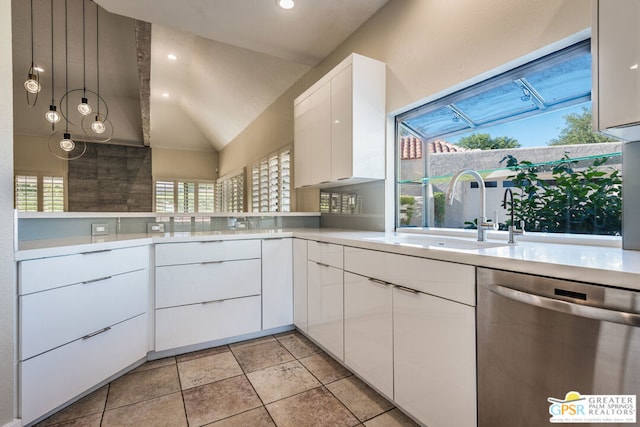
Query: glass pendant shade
[(66, 143), (98, 125), (52, 115), (32, 84), (84, 108)]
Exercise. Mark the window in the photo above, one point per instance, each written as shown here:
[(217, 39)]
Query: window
[(230, 192), (35, 193), (271, 183), (177, 196), (528, 129)]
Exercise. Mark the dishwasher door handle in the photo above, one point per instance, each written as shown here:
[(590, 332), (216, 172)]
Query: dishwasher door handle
[(595, 313)]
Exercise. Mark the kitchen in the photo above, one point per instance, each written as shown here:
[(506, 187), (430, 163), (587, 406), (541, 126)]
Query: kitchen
[(493, 35)]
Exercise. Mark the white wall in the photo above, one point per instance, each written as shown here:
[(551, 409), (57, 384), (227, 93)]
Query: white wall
[(7, 266), (428, 46), (168, 163)]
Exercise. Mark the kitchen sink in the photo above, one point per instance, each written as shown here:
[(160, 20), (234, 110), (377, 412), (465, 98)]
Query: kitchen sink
[(435, 242)]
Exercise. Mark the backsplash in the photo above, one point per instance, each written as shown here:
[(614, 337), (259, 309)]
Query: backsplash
[(356, 207)]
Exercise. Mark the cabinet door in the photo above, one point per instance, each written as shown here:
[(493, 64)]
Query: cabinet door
[(616, 73), (368, 331), (300, 284), (57, 376), (342, 125), (434, 359), (277, 283), (200, 323), (312, 136), (325, 305), (209, 281)]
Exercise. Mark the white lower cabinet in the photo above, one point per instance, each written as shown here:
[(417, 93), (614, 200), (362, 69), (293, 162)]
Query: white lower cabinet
[(300, 284), (434, 359), (277, 283), (368, 332), (325, 307), (208, 321), (51, 379)]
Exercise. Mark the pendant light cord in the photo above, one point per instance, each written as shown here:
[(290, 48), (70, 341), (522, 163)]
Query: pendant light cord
[(32, 34), (98, 56), (66, 64), (84, 53), (53, 93)]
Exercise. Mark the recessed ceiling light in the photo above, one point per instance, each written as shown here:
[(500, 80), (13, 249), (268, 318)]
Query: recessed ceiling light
[(166, 95), (172, 57), (285, 4)]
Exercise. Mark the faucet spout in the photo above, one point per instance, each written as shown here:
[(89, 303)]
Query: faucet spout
[(483, 223), (513, 230)]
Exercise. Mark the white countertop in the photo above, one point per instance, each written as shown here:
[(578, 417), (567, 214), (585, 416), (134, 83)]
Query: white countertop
[(593, 264)]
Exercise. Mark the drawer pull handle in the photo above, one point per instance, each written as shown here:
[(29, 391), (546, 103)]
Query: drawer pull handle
[(212, 302), (405, 289), (211, 262), (97, 280), (379, 282), (93, 334), (95, 252), (212, 241), (273, 238), (322, 264)]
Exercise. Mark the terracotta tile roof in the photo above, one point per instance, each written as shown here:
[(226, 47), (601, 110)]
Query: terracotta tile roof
[(411, 147)]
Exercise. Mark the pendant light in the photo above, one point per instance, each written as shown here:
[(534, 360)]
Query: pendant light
[(98, 125), (84, 108), (32, 84), (66, 148), (52, 115)]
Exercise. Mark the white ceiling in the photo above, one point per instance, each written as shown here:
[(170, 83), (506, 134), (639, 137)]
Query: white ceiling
[(235, 58)]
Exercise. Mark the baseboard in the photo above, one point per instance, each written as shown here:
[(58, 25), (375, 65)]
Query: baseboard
[(14, 423)]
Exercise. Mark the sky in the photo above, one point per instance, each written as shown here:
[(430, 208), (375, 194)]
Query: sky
[(535, 131)]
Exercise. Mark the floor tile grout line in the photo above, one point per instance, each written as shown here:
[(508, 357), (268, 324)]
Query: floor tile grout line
[(104, 407)]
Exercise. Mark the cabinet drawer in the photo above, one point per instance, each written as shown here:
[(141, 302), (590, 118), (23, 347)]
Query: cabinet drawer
[(325, 253), (214, 250), (199, 323), (440, 278), (55, 377), (48, 273), (55, 317), (194, 283)]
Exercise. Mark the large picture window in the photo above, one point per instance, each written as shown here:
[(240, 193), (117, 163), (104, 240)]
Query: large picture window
[(39, 193), (181, 196), (527, 130)]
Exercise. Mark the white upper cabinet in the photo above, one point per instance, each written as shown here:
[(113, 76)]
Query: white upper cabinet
[(339, 126), (616, 68)]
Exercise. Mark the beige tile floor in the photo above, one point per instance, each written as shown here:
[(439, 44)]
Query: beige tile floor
[(282, 380)]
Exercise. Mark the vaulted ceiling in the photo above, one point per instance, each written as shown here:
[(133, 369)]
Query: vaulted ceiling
[(233, 59)]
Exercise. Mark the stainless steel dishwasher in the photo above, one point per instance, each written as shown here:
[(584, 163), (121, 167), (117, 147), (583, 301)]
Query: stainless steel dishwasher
[(540, 338)]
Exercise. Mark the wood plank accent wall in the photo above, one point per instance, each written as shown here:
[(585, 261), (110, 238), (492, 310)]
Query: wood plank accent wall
[(111, 178)]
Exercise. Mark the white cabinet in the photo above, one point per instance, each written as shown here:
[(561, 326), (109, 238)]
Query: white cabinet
[(74, 312), (206, 291), (368, 331), (300, 284), (277, 283), (616, 72), (325, 296), (325, 309), (311, 133), (411, 321), (434, 359), (339, 125), (191, 324)]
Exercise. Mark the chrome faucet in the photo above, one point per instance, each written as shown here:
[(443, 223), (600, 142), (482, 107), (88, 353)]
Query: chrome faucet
[(483, 224), (513, 230)]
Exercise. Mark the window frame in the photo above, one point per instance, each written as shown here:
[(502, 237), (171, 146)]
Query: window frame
[(40, 175), (176, 182)]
